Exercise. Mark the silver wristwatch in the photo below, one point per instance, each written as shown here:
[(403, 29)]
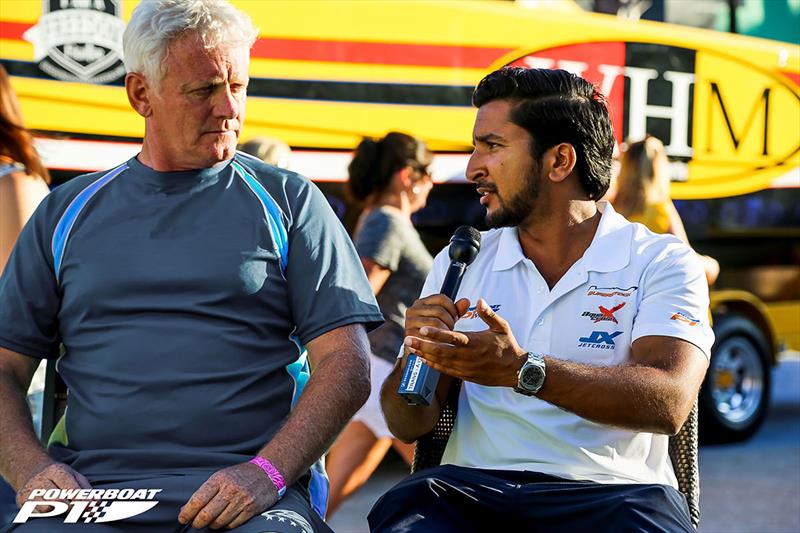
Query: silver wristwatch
[(530, 377)]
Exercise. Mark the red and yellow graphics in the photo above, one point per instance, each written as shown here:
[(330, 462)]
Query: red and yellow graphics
[(325, 73)]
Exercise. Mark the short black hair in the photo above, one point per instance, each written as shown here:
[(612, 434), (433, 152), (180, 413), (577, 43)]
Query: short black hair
[(555, 106)]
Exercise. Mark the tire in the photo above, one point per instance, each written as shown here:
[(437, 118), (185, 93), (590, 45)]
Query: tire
[(734, 398)]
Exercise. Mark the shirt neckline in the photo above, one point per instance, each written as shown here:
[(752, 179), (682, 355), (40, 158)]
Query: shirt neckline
[(609, 250), (177, 179)]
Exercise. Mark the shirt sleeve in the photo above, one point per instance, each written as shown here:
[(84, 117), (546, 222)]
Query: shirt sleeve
[(29, 297), (327, 284), (674, 299), (379, 239)]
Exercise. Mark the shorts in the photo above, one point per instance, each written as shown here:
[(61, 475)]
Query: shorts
[(371, 414)]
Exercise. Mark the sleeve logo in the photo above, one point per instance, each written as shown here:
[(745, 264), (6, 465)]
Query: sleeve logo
[(680, 317)]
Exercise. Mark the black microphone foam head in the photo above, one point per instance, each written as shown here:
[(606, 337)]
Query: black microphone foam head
[(465, 244)]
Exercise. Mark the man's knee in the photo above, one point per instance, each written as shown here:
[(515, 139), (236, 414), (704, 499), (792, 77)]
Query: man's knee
[(437, 499), (292, 514)]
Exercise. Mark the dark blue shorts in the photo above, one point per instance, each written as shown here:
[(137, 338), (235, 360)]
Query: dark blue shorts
[(457, 499), (292, 514)]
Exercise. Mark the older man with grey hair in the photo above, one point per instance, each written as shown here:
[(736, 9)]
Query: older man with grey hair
[(211, 308)]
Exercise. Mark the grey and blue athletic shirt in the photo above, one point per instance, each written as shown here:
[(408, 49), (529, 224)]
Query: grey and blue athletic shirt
[(182, 306)]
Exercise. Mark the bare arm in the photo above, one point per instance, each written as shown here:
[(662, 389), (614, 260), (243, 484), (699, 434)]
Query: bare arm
[(661, 379), (20, 450), (376, 274), (338, 386), (20, 193), (406, 422), (23, 461)]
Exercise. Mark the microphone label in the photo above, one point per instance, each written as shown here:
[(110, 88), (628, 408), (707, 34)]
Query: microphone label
[(412, 382)]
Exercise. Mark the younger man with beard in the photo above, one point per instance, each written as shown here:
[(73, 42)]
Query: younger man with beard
[(587, 348)]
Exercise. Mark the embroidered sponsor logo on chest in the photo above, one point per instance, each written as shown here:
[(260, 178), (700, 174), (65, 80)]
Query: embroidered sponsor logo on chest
[(604, 314), (608, 292), (603, 340)]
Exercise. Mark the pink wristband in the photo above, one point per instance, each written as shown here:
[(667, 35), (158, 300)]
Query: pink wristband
[(271, 472)]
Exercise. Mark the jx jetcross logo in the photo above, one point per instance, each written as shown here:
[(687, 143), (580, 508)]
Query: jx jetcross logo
[(599, 339), (87, 505)]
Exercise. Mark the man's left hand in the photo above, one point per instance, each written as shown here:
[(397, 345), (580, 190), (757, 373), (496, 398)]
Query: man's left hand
[(490, 357), (229, 498)]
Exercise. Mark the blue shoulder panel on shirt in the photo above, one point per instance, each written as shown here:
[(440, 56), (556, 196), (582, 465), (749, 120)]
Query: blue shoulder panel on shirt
[(67, 220), (272, 212)]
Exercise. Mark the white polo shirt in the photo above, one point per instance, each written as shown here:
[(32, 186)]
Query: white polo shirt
[(630, 283)]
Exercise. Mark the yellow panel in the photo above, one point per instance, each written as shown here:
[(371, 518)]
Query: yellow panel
[(20, 10), (17, 50), (69, 107), (785, 316), (317, 70), (310, 124), (732, 121)]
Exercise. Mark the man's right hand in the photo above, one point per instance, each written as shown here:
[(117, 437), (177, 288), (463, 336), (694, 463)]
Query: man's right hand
[(408, 423), (435, 311), (51, 476)]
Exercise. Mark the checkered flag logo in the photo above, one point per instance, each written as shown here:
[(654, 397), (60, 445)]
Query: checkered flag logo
[(87, 505), (94, 511)]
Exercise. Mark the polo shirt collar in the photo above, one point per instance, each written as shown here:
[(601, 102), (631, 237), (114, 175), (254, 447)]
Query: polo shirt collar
[(609, 251), (509, 251)]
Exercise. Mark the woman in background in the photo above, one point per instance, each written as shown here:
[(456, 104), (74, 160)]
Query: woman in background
[(23, 177), (643, 194), (390, 179), (23, 184)]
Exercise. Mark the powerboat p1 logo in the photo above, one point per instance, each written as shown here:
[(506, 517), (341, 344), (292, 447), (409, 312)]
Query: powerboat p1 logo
[(79, 40), (87, 505)]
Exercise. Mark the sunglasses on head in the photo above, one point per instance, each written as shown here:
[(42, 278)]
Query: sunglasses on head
[(419, 167)]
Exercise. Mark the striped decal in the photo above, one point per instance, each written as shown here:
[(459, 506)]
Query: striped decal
[(67, 220), (300, 371), (272, 212), (318, 486), (342, 51)]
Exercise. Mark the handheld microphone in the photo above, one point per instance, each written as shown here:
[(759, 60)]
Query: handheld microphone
[(419, 380)]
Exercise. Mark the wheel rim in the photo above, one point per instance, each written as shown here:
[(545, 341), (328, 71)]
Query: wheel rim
[(737, 381)]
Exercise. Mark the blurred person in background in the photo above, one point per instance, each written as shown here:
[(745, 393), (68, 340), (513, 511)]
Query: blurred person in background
[(642, 194), (23, 177), (213, 309), (23, 185), (390, 178), (272, 151)]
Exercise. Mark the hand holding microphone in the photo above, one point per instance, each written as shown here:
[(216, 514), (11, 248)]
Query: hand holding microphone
[(419, 380)]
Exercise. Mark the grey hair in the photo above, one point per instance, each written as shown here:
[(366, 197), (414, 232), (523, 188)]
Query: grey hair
[(156, 23)]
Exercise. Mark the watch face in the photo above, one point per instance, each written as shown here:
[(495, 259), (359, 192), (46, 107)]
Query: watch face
[(531, 378)]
